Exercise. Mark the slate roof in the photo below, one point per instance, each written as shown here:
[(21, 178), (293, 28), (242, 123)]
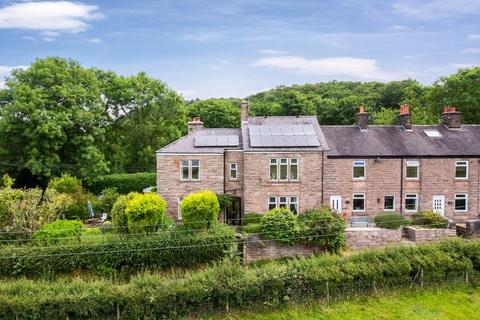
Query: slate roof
[(394, 141), (186, 143), (283, 120)]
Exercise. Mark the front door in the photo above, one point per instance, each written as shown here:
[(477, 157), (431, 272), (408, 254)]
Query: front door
[(336, 203), (233, 211), (439, 204)]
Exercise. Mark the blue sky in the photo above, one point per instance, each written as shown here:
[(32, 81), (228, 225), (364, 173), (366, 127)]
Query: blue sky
[(239, 47)]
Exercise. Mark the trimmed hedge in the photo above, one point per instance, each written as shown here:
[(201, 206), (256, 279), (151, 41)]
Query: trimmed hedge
[(429, 219), (168, 248), (200, 209), (389, 220), (124, 183), (227, 284)]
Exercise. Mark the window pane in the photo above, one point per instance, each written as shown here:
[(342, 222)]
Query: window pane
[(273, 172), (195, 163), (389, 203), (412, 172), (359, 172), (282, 202), (283, 169), (195, 173), (294, 205), (233, 170), (185, 173), (460, 202), (461, 170), (184, 163), (359, 202), (411, 202), (272, 203), (294, 169)]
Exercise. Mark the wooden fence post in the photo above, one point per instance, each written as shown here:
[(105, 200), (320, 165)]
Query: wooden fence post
[(421, 278), (118, 311), (328, 292)]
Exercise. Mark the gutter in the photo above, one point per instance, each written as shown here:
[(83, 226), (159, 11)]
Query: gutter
[(401, 185)]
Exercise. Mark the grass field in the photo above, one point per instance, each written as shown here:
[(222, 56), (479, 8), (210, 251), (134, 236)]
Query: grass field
[(429, 304)]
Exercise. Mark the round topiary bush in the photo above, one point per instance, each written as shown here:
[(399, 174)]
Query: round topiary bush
[(145, 212), (429, 219), (389, 220), (280, 224), (200, 210), (323, 227), (60, 230)]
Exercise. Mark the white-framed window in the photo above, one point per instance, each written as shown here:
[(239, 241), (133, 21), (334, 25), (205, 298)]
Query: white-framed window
[(412, 168), (358, 202), (461, 202), (293, 169), (411, 202), (358, 171), (233, 171), (179, 208), (290, 202), (273, 169), (389, 203), (284, 169), (461, 169), (272, 203), (294, 204), (190, 170)]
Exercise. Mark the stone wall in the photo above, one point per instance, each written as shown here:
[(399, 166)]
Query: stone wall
[(427, 235), (256, 249), (362, 238)]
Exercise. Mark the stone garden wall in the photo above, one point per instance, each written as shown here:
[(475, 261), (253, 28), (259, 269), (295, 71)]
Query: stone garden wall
[(428, 235), (362, 238)]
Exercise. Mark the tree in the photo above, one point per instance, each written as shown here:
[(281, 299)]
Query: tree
[(53, 123), (200, 210), (461, 89), (293, 103), (216, 113)]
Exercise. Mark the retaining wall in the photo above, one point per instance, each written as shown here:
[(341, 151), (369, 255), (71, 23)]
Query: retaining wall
[(428, 235)]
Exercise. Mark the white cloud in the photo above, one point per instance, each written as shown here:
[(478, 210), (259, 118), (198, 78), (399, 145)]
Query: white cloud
[(471, 50), (473, 36), (96, 40), (463, 65), (29, 38), (52, 17), (5, 71), (435, 9), (335, 66), (273, 51)]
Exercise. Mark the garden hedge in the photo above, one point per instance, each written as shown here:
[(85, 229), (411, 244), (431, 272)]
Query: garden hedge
[(227, 284), (124, 182), (177, 247)]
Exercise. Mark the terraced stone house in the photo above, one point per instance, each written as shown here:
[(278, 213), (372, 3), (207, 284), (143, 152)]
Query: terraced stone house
[(358, 170)]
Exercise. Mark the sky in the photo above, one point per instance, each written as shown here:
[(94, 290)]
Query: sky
[(235, 48)]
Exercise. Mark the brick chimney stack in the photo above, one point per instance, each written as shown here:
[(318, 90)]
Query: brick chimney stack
[(195, 125), (244, 111), (362, 118), (404, 118), (451, 118)]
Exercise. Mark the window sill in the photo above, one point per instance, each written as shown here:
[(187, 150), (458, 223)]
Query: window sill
[(461, 179), (460, 212)]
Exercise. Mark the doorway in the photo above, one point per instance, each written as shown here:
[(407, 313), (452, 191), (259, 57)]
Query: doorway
[(233, 212), (439, 204), (336, 203)]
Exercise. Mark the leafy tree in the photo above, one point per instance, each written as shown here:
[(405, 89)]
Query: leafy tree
[(461, 89), (65, 184), (54, 121), (293, 103), (216, 113), (385, 116)]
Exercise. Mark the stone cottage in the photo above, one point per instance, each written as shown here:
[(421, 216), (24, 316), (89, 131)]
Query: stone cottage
[(358, 170)]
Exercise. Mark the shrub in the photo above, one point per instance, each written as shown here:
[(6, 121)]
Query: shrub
[(200, 210), (65, 184), (124, 182), (324, 228), (119, 217), (170, 248), (429, 219), (106, 200), (251, 217), (145, 212), (280, 224), (389, 220), (79, 206), (152, 296), (252, 228), (59, 230)]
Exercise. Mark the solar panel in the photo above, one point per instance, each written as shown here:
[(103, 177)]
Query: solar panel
[(283, 136), (432, 133), (216, 141)]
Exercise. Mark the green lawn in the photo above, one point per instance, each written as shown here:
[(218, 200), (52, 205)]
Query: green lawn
[(462, 303)]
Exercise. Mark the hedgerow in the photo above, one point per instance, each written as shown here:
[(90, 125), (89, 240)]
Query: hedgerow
[(124, 183), (168, 248), (229, 285)]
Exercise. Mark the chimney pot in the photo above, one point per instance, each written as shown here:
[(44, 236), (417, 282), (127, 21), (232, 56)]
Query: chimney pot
[(362, 118), (404, 118), (244, 111)]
